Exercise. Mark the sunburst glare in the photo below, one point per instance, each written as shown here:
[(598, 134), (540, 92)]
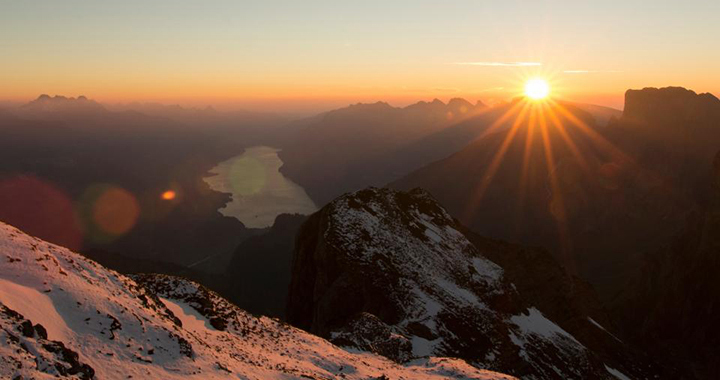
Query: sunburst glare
[(537, 88)]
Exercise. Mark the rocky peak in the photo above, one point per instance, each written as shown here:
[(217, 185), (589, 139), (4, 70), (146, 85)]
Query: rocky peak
[(667, 105), (61, 104), (393, 273)]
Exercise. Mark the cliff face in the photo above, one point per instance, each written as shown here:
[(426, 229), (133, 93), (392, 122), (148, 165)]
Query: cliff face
[(394, 273), (672, 306), (259, 273)]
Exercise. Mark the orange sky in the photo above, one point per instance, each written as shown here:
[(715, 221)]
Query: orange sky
[(288, 56)]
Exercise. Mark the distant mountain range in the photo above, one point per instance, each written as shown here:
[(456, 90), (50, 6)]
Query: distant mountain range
[(352, 147), (373, 144)]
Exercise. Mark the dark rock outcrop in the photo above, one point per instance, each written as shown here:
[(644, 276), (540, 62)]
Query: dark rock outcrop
[(394, 273), (50, 357), (673, 305), (259, 274)]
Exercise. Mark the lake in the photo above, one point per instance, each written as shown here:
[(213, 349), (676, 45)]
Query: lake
[(259, 191)]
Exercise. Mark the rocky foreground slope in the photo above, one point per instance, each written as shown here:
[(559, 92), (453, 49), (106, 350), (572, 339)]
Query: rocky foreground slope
[(62, 315), (392, 272)]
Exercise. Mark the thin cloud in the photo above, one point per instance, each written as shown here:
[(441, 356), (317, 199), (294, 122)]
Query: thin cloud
[(500, 64), (590, 71), (491, 89)]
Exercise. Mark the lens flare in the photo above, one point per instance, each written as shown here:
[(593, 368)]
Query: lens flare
[(40, 208), (115, 211), (168, 195)]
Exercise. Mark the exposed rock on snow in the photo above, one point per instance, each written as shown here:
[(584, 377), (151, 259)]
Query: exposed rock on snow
[(64, 315), (392, 272)]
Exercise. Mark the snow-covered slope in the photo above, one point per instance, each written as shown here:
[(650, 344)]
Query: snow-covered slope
[(392, 272), (62, 314)]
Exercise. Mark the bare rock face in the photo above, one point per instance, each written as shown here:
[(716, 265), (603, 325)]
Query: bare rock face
[(392, 272), (673, 305)]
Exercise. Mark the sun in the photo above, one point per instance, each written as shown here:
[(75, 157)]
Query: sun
[(537, 88)]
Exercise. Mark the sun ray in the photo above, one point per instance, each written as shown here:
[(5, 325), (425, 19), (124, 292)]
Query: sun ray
[(495, 163), (560, 127), (502, 119), (595, 137), (529, 136), (557, 205)]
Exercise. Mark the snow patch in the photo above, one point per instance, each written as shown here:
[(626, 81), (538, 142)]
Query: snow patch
[(536, 323), (616, 373), (487, 269), (603, 329), (36, 307), (190, 318)]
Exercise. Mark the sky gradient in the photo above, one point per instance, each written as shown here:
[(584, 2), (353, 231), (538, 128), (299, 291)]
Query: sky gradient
[(313, 55)]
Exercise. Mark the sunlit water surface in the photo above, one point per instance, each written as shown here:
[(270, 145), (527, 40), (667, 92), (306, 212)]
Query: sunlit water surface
[(259, 191)]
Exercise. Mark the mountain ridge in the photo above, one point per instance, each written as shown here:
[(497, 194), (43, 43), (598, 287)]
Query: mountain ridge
[(392, 272), (62, 314)]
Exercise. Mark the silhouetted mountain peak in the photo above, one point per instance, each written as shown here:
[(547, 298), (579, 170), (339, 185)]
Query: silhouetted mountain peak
[(459, 102), (667, 104), (379, 105), (62, 104)]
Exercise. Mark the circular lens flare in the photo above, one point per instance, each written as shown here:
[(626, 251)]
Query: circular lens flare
[(168, 195), (115, 211), (537, 89)]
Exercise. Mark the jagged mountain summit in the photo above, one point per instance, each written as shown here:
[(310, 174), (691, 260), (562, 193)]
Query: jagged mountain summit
[(394, 273), (61, 105), (62, 315)]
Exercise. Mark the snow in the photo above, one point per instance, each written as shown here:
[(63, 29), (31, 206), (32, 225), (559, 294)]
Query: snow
[(487, 269), (423, 347), (121, 330), (432, 235), (457, 292), (190, 318), (616, 373), (34, 306), (603, 329), (536, 323), (444, 278)]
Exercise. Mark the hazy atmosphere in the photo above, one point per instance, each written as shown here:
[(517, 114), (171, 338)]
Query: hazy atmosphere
[(368, 190)]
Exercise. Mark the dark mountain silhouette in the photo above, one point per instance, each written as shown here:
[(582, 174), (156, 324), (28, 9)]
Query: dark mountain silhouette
[(602, 115), (53, 106), (350, 148), (393, 273), (672, 306), (603, 196), (259, 274)]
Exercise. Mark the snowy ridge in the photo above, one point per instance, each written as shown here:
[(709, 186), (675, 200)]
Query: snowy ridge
[(421, 288), (64, 315)]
